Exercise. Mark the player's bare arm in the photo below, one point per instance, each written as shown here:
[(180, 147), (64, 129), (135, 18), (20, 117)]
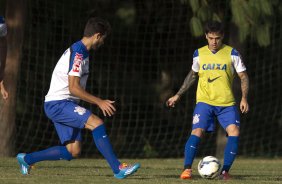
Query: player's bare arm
[(4, 93), (244, 106), (105, 105), (188, 82), (3, 53)]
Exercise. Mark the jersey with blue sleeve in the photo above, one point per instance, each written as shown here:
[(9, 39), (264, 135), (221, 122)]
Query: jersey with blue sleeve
[(74, 62), (3, 27), (216, 73)]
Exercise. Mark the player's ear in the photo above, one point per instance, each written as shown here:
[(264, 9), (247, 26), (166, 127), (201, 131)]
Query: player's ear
[(98, 35)]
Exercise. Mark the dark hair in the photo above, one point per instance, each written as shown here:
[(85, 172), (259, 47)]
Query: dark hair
[(214, 27), (96, 25)]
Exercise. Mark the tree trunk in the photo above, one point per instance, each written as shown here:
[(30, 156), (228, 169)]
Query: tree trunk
[(15, 13)]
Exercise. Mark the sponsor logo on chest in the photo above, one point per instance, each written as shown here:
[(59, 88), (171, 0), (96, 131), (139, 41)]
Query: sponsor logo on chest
[(214, 66)]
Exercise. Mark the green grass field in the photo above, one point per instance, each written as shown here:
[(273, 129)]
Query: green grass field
[(156, 171)]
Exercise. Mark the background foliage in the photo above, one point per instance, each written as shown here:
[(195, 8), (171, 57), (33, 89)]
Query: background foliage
[(145, 61)]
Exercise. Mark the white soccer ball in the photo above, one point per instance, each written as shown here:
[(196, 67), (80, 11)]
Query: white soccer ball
[(209, 167)]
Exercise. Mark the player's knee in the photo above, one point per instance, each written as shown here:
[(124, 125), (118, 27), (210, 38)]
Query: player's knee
[(198, 132), (75, 152), (74, 148), (93, 122), (233, 130)]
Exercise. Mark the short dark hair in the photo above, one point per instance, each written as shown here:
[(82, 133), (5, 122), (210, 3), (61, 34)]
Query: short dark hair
[(214, 27), (96, 25)]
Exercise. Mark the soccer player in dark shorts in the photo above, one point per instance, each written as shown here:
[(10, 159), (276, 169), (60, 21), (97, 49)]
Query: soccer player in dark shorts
[(61, 106), (214, 65)]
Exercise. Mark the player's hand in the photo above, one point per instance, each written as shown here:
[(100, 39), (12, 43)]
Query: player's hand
[(244, 106), (107, 107), (4, 93), (172, 101)]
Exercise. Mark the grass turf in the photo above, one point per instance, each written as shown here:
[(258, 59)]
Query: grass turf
[(155, 171)]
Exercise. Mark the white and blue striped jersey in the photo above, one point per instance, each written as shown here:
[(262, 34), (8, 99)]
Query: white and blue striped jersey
[(74, 62)]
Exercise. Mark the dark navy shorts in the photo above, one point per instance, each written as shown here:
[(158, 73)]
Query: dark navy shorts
[(68, 118), (204, 116)]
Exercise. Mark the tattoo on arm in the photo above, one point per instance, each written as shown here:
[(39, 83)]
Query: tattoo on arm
[(188, 82), (244, 84)]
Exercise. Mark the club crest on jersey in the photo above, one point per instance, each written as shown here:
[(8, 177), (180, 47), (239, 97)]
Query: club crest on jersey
[(76, 62), (80, 110), (196, 118), (214, 66)]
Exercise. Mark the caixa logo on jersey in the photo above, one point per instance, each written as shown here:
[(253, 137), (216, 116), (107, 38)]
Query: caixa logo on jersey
[(214, 66), (76, 62)]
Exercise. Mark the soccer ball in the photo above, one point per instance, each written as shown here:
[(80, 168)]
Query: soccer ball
[(209, 167)]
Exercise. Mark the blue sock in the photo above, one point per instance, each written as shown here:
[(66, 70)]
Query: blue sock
[(53, 153), (104, 146), (230, 152), (191, 150)]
